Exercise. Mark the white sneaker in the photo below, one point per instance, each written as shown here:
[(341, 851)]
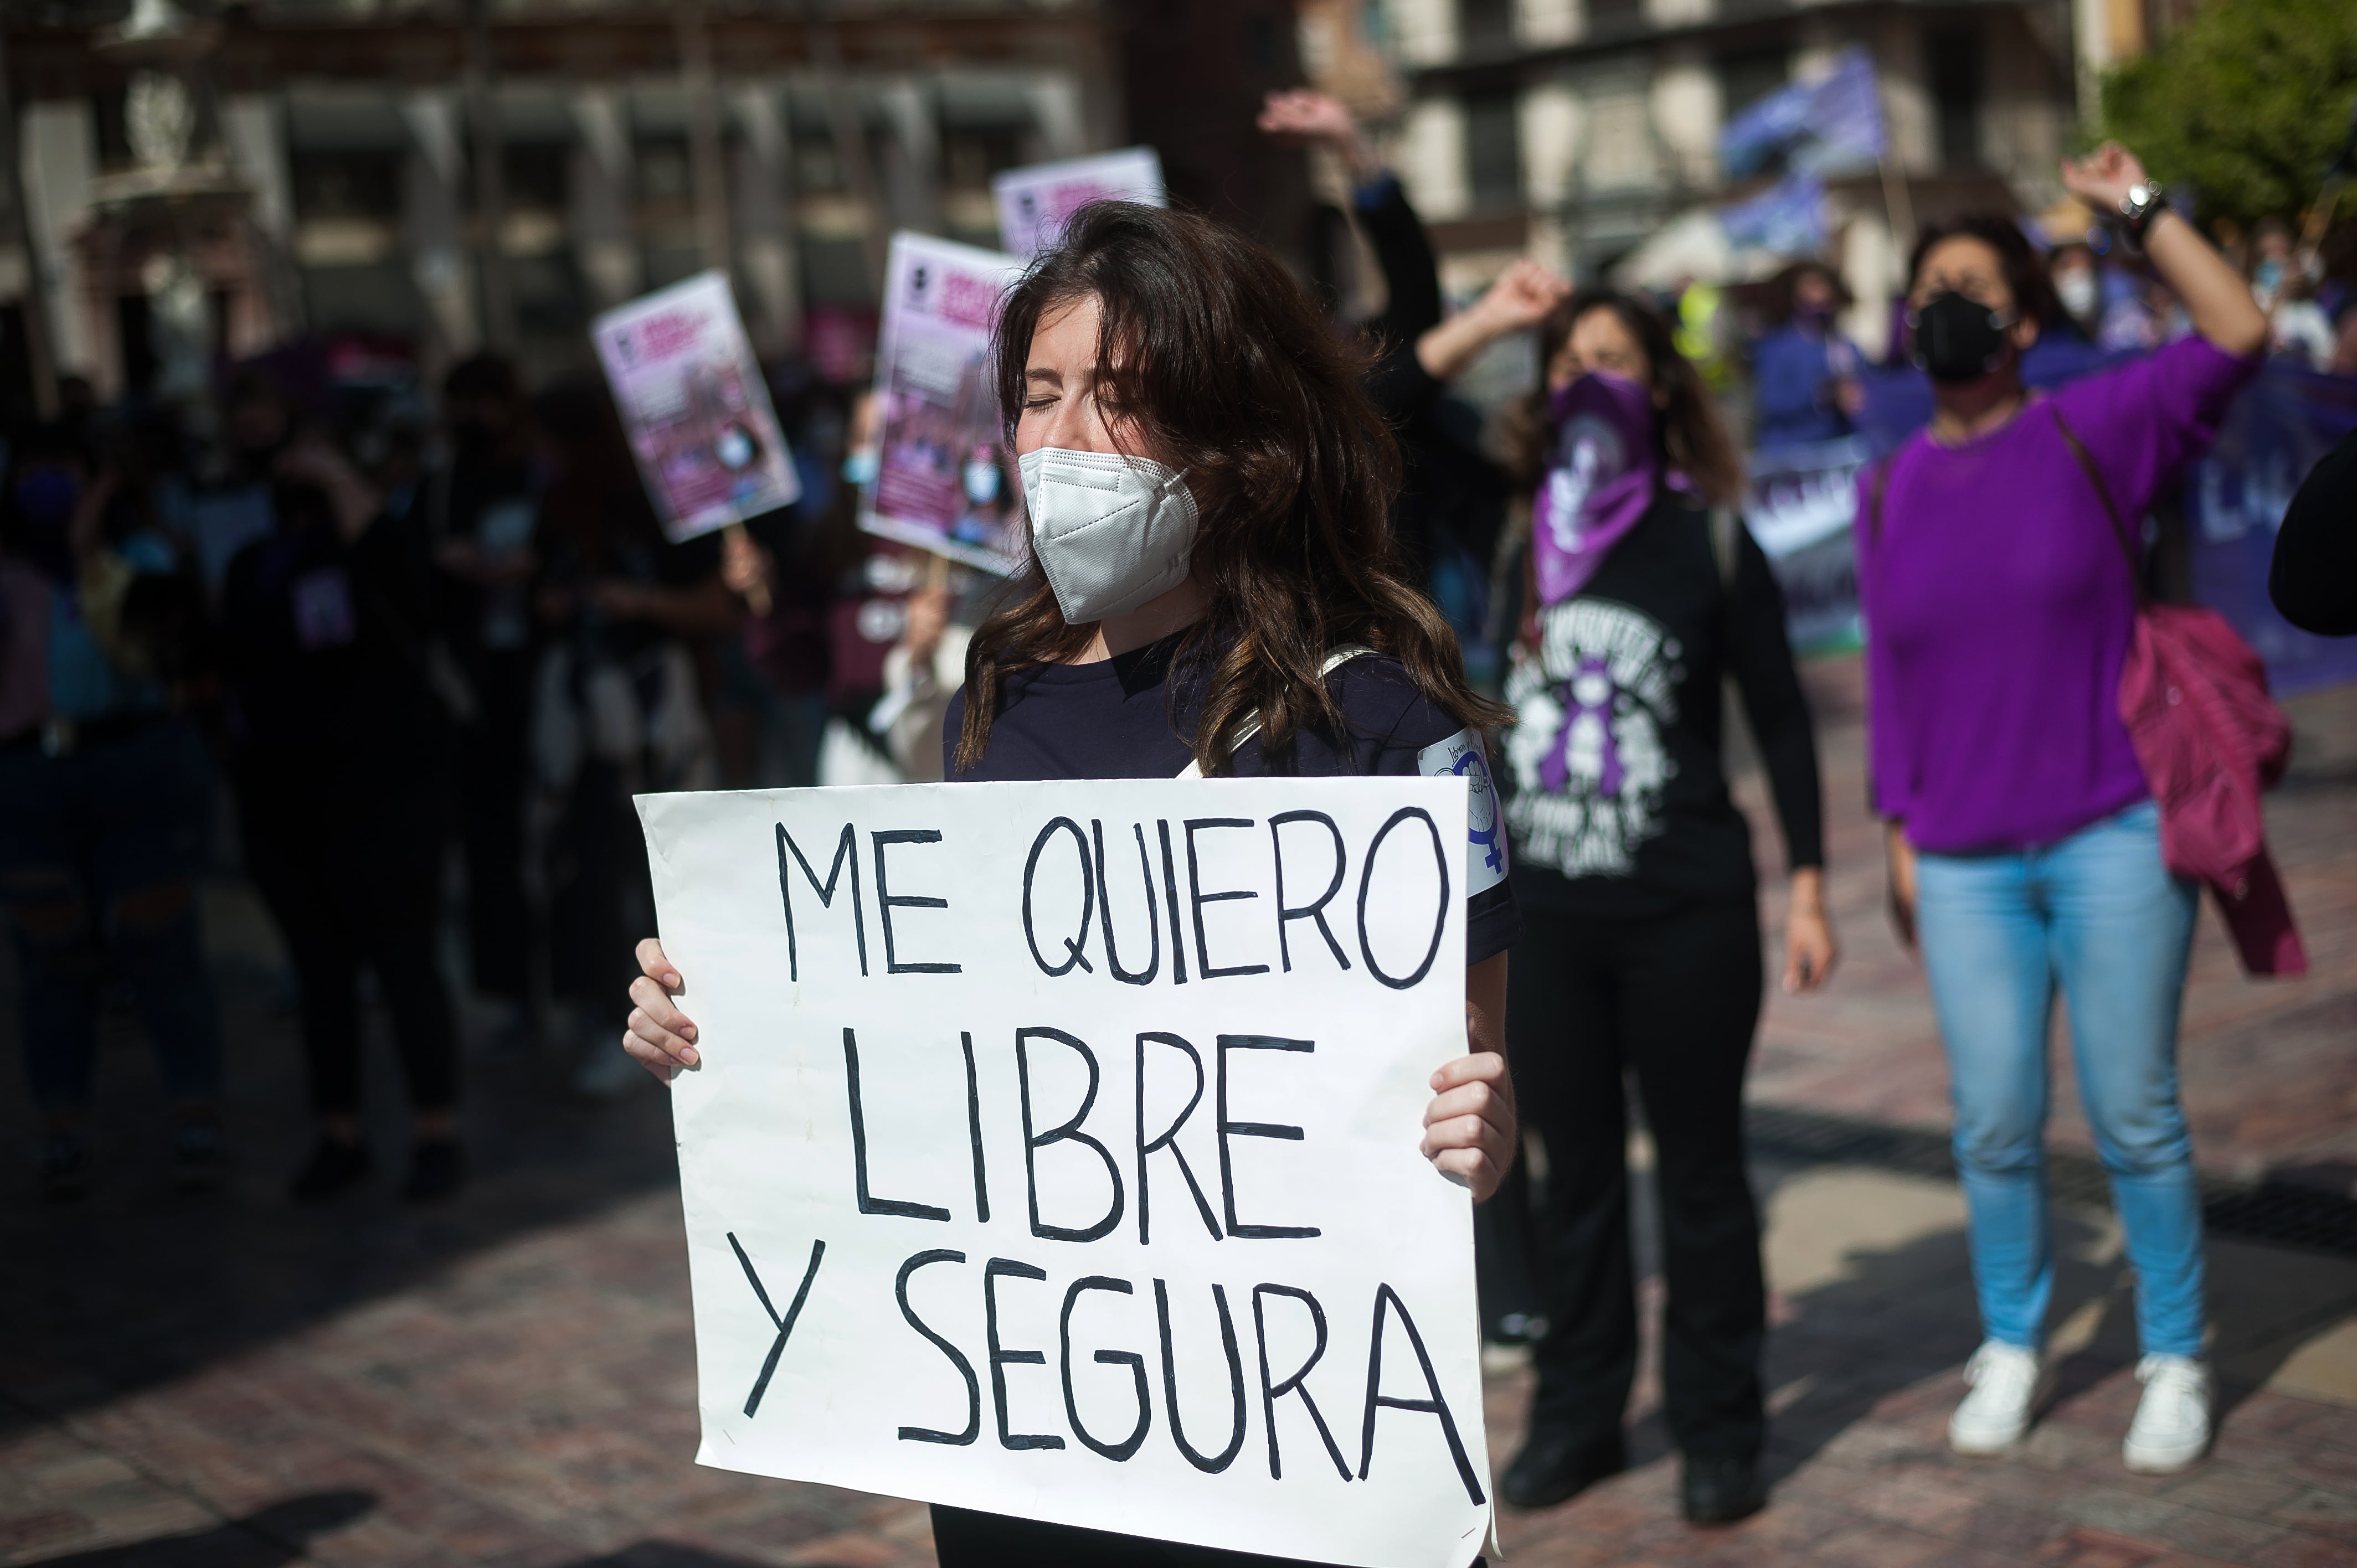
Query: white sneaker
[(2007, 1381), (2172, 1421)]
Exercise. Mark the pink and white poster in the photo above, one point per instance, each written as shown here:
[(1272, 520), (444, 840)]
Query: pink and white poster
[(944, 480), (695, 408), (1034, 202)]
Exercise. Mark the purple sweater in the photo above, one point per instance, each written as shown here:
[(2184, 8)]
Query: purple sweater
[(1999, 608)]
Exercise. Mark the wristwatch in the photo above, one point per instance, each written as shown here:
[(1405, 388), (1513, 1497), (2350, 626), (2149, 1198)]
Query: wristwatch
[(2145, 201)]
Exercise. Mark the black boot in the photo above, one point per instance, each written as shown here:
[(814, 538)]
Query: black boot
[(335, 1167), (1720, 1491), (1554, 1466)]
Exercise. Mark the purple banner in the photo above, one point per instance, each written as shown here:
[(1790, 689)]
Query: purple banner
[(2234, 501)]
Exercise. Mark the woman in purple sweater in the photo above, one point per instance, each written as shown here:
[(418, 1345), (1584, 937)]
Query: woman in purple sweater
[(2025, 848)]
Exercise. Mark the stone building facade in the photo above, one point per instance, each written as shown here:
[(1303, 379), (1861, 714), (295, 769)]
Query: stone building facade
[(1575, 128), (461, 173)]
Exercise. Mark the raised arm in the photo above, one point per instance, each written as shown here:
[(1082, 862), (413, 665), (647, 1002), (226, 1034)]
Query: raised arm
[(1518, 301), (2217, 301), (1391, 227)]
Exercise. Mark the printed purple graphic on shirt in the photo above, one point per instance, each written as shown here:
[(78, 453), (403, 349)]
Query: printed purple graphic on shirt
[(1585, 740), (1587, 754)]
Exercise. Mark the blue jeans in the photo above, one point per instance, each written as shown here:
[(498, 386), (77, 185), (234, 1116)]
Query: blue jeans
[(2099, 913)]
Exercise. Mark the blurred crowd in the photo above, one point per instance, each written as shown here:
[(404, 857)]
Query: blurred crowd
[(406, 669), (1780, 348)]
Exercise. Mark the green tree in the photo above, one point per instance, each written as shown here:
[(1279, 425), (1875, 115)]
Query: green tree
[(2246, 103)]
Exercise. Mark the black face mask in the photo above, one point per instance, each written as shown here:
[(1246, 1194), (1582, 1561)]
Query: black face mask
[(1958, 340)]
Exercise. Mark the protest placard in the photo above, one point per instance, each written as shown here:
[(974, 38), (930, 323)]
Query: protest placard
[(1803, 500), (695, 407), (1054, 1153), (943, 480), (1033, 201)]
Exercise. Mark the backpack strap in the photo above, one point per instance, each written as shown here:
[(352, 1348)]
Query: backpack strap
[(1249, 726), (2111, 508)]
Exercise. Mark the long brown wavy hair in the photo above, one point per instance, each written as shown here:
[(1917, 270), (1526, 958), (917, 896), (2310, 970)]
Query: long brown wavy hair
[(1694, 438), (1234, 378)]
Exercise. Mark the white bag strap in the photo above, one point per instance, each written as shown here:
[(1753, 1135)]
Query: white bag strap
[(1251, 724)]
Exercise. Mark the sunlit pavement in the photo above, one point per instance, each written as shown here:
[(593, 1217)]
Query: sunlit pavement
[(226, 1380)]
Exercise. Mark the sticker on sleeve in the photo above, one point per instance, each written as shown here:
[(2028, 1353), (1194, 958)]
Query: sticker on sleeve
[(1485, 849)]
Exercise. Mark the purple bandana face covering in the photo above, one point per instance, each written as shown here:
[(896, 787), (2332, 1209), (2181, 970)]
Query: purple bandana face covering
[(1599, 482)]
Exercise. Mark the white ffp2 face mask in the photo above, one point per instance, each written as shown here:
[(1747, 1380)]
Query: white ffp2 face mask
[(1111, 532)]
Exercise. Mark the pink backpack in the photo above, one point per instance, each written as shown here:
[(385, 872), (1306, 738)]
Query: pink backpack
[(2193, 696)]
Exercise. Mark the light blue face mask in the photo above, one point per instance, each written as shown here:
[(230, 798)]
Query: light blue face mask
[(860, 466)]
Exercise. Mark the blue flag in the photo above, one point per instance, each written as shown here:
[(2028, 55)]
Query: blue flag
[(1787, 218), (1819, 125)]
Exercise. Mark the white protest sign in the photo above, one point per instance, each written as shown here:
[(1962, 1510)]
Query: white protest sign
[(1054, 1153), (943, 480), (708, 444), (1033, 201)]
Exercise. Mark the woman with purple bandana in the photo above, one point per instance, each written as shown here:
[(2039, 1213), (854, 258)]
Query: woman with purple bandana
[(1641, 952), (2025, 846)]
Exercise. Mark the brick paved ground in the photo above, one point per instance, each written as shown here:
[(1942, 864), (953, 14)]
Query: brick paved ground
[(2270, 1081), (227, 1381)]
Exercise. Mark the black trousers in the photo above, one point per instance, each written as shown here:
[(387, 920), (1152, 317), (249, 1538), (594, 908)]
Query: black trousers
[(353, 876), (1671, 999)]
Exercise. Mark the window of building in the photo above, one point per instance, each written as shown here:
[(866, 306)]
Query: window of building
[(835, 271), (1952, 70), (1484, 26), (1747, 76), (816, 168), (1612, 18), (663, 170), (972, 154), (549, 298), (380, 298), (533, 175), (353, 183), (1493, 152)]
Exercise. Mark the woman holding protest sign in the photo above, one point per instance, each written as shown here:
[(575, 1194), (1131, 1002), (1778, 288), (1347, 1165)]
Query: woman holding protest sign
[(1214, 589), (1999, 573), (1641, 956)]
